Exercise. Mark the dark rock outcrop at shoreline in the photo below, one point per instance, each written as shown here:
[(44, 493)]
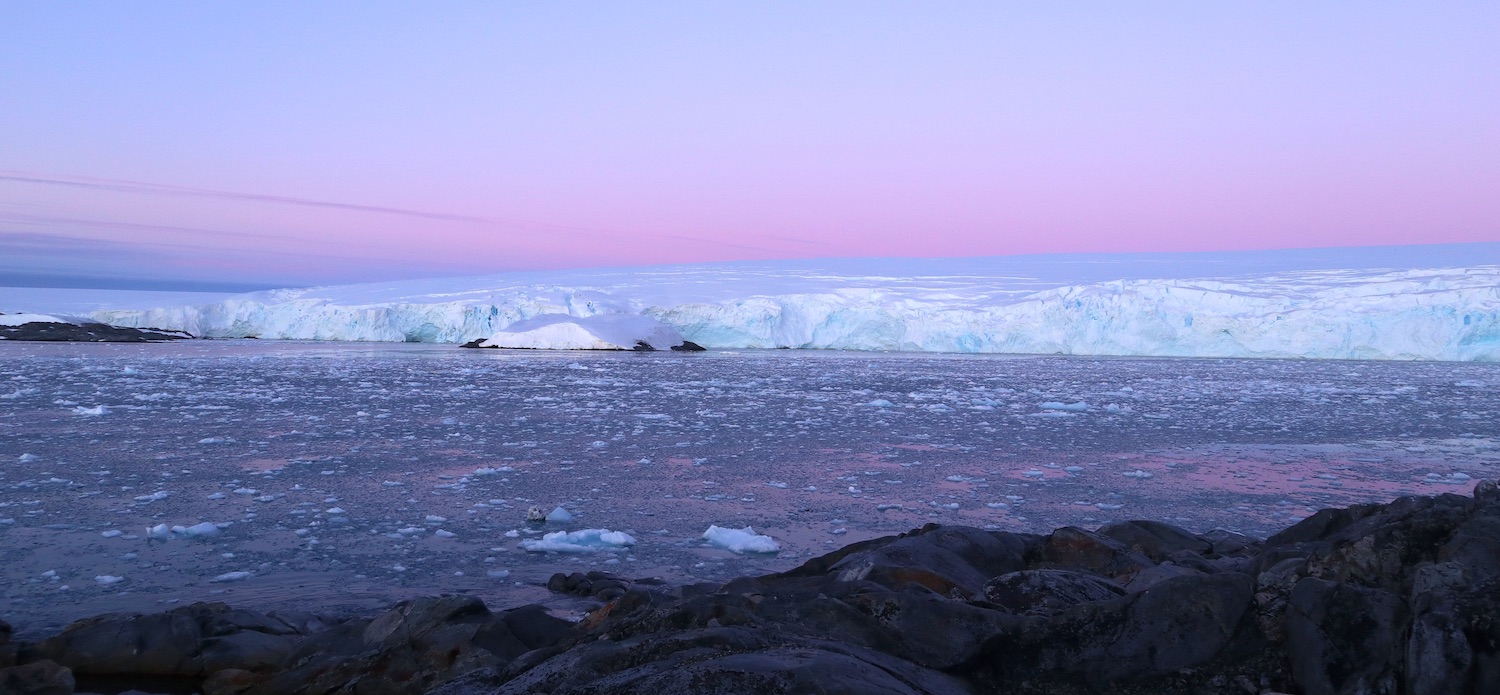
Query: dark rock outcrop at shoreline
[(87, 332), (1400, 599)]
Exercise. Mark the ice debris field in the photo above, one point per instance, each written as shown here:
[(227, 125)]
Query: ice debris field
[(1406, 303), (351, 475)]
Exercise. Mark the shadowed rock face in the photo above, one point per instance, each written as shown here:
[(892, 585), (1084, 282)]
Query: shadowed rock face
[(1396, 598)]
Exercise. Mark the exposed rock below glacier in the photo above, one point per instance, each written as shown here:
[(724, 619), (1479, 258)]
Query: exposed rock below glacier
[(48, 328), (600, 332), (1389, 598)]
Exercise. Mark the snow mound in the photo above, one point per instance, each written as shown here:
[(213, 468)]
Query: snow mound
[(585, 541), (740, 541), (601, 332)]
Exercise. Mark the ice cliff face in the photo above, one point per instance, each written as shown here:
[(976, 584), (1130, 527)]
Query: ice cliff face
[(1431, 314)]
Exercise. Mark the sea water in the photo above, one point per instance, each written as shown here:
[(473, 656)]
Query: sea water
[(339, 477)]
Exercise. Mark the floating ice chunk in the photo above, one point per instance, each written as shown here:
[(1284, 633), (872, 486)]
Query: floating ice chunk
[(29, 458), (435, 519), (497, 574), (1137, 474), (1460, 476), (1073, 469), (246, 491), (212, 440), (440, 533), (777, 484), (107, 579), (409, 531), (334, 510), (1034, 474), (1078, 407), (158, 532), (880, 403), (390, 483), (154, 497), (217, 496), (585, 541), (94, 411), (886, 507), (486, 471), (202, 530), (559, 516), (112, 533), (232, 577), (741, 541), (997, 505), (7, 522)]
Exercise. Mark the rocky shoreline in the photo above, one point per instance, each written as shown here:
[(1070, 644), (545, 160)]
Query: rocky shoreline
[(86, 332), (1398, 598)]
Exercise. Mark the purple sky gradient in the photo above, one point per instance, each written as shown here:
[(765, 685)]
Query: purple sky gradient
[(290, 143)]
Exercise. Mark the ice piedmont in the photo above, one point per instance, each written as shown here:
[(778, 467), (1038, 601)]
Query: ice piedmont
[(959, 305), (601, 332)]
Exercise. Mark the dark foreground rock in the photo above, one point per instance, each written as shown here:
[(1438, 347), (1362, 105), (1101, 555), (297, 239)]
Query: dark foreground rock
[(49, 331), (1395, 599)]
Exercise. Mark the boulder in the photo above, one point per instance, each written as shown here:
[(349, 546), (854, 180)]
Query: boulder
[(1155, 539), (1180, 623), (165, 644), (37, 678), (950, 560), (1077, 550), (1047, 592), (1345, 639)]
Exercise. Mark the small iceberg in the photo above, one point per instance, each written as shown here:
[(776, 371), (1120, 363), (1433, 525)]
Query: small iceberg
[(203, 530), (585, 541), (559, 516), (741, 541)]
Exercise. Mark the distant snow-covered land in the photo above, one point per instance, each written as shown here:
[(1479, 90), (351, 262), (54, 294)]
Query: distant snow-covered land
[(1424, 302)]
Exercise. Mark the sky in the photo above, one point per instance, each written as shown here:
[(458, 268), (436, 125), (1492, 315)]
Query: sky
[(239, 145)]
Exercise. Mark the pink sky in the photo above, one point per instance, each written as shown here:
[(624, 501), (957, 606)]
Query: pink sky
[(583, 135)]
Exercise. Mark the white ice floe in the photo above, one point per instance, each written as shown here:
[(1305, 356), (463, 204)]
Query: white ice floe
[(1137, 474), (435, 519), (29, 458), (334, 510), (153, 497), (881, 403), (740, 541), (559, 516), (232, 577), (217, 496), (1077, 407), (200, 530), (107, 579), (94, 411), (585, 541), (442, 533)]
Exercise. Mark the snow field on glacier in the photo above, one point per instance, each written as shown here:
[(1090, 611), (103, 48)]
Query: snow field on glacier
[(357, 474)]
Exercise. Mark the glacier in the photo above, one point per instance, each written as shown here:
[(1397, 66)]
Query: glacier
[(1331, 304)]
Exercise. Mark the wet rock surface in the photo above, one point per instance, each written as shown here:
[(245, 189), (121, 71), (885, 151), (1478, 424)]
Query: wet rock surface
[(1395, 598)]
